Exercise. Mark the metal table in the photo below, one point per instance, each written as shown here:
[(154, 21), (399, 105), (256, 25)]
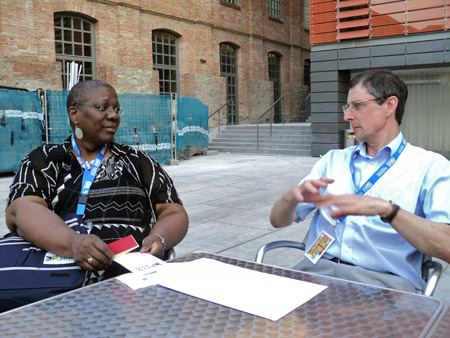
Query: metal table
[(111, 309), (441, 329)]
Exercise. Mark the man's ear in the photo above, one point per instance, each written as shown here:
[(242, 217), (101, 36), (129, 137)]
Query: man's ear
[(391, 104)]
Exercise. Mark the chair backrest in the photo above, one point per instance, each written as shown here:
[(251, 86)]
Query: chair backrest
[(430, 278), (431, 270)]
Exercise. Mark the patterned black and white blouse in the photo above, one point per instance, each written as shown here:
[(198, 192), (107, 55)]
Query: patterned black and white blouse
[(122, 198)]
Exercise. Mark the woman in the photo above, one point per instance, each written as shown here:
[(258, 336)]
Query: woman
[(123, 191)]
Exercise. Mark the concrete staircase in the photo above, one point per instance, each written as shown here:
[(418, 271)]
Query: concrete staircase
[(291, 139)]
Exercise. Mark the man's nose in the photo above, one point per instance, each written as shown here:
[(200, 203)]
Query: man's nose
[(348, 114)]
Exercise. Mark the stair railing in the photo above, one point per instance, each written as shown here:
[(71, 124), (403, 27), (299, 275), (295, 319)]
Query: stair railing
[(229, 102), (271, 109)]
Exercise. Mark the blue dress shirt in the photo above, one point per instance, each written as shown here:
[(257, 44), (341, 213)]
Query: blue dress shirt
[(419, 182)]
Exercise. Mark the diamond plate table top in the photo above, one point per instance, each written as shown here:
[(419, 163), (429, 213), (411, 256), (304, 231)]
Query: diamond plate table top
[(442, 327), (111, 309)]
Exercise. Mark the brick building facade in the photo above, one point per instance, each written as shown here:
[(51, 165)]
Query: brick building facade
[(122, 40)]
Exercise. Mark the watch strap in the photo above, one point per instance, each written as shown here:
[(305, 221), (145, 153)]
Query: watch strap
[(392, 214)]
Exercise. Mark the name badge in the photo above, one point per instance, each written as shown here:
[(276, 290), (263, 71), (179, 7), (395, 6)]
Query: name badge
[(51, 258), (320, 245)]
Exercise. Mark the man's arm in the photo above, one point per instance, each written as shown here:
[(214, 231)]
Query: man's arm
[(283, 211), (172, 225), (429, 237)]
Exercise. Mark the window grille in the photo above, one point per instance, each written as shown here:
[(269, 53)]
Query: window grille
[(275, 9), (233, 2), (165, 50), (228, 69), (74, 41), (275, 76)]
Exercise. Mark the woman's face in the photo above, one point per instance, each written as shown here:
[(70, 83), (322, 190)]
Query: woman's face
[(98, 116)]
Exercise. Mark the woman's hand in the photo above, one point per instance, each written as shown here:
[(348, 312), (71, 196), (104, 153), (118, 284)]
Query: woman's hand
[(152, 244), (91, 253)]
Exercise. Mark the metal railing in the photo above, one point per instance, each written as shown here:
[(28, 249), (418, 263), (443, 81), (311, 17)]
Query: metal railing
[(229, 102), (271, 109)]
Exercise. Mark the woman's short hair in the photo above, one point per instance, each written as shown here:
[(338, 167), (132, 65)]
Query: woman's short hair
[(80, 92), (382, 84)]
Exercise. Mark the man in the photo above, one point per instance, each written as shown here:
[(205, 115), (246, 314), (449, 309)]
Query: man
[(381, 204)]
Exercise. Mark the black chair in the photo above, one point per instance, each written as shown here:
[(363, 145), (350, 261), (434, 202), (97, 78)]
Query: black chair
[(431, 270)]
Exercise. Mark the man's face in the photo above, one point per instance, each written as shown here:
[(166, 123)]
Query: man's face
[(366, 115)]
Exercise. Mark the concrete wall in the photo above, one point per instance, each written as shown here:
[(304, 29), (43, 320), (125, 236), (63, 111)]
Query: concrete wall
[(332, 64), (123, 47)]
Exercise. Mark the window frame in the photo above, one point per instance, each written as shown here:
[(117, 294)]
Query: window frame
[(158, 51), (74, 37), (274, 9)]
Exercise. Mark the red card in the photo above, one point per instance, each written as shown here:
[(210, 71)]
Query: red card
[(124, 245)]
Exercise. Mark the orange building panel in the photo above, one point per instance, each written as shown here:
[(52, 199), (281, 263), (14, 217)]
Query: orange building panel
[(425, 26), (323, 8), (322, 18), (388, 30), (353, 13), (350, 3), (314, 2), (323, 38), (425, 14), (389, 8), (385, 20), (323, 28), (353, 34), (414, 5), (379, 2), (353, 23)]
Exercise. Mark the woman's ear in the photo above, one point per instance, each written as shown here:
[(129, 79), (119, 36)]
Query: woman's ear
[(73, 115)]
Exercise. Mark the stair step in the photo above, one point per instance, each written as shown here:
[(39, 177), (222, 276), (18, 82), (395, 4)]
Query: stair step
[(287, 139)]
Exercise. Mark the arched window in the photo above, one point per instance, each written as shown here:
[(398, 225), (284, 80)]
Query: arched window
[(228, 69), (74, 41), (274, 62), (165, 54)]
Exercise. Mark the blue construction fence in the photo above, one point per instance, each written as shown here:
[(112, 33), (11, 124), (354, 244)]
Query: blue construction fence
[(29, 119)]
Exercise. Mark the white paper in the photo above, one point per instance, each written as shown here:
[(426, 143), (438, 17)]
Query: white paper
[(254, 292), (139, 262), (145, 269)]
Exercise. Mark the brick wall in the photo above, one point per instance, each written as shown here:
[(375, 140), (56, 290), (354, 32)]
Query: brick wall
[(123, 47)]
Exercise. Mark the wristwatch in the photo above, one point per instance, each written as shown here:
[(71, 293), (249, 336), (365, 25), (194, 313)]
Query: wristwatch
[(392, 214), (163, 241)]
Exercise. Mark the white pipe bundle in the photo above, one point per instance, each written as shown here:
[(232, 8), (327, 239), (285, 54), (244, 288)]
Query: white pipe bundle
[(73, 74)]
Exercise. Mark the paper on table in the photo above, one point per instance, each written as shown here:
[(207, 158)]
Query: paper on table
[(254, 292), (145, 268), (139, 262)]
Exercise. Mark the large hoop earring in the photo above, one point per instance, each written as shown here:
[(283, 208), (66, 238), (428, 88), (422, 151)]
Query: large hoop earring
[(78, 132)]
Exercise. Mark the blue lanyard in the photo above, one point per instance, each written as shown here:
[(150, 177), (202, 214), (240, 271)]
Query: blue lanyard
[(380, 172), (377, 175), (88, 176)]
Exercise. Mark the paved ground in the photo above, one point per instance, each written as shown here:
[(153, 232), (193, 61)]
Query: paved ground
[(228, 198)]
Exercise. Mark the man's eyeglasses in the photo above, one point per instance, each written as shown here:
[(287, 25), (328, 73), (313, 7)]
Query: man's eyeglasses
[(103, 108), (354, 106)]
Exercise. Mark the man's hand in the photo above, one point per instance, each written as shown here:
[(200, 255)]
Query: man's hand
[(283, 211), (343, 205)]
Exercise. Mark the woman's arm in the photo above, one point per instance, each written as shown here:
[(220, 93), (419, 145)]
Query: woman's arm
[(30, 217), (172, 225)]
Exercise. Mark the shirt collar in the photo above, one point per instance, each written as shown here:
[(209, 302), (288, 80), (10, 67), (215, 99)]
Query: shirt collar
[(391, 147)]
